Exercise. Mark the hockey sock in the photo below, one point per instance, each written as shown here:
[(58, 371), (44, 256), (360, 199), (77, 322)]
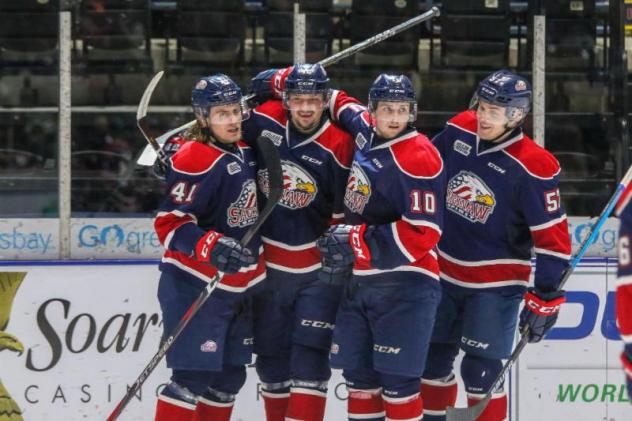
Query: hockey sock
[(175, 403), (275, 400), (496, 409), (438, 394), (214, 405), (408, 408), (307, 401), (365, 405)]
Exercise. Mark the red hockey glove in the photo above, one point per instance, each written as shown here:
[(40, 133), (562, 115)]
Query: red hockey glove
[(540, 312), (278, 81), (225, 253)]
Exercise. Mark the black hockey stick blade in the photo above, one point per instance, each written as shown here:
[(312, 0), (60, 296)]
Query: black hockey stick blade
[(272, 162)]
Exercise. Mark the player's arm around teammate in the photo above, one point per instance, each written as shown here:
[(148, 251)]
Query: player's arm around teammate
[(295, 315), (502, 204), (393, 208), (624, 285), (210, 202)]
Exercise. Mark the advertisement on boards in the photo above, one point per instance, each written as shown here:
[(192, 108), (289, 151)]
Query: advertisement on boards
[(73, 336), (575, 373), (29, 239)]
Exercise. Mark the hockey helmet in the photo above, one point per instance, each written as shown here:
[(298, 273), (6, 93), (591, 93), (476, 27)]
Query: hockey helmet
[(505, 89), (393, 88), (215, 90), (307, 79)]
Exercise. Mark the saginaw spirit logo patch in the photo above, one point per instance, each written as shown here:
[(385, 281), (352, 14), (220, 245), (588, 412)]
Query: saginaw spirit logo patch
[(469, 197), (358, 190), (299, 187), (243, 211)]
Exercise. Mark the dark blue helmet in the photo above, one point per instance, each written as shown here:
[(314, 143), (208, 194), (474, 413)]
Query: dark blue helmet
[(393, 88), (211, 91), (307, 79), (505, 89)]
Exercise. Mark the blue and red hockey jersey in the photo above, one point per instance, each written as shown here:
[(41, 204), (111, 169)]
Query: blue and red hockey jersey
[(502, 202), (209, 188), (315, 169), (624, 279), (396, 187)]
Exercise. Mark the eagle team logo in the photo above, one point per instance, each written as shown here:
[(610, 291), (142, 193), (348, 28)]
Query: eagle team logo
[(243, 211), (299, 187), (470, 197), (358, 189)]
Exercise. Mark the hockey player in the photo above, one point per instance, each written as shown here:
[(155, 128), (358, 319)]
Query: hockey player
[(393, 201), (624, 285), (502, 203), (211, 201), (294, 318)]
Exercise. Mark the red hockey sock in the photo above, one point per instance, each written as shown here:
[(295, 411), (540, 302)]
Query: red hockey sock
[(438, 395), (408, 408), (275, 405), (365, 405), (496, 409), (208, 410), (171, 409), (306, 405)]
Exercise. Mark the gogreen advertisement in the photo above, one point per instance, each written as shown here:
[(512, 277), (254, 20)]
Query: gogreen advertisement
[(72, 336)]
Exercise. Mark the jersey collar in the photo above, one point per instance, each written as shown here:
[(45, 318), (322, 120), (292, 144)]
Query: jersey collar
[(387, 144), (324, 126), (518, 135), (237, 153)]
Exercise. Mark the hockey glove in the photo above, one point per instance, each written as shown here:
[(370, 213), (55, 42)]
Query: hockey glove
[(540, 312), (334, 275), (170, 147), (626, 360), (343, 245), (261, 86), (225, 253)]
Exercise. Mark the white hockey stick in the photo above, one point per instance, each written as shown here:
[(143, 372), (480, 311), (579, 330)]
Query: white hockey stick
[(148, 156)]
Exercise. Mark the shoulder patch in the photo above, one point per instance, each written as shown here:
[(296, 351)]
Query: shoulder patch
[(339, 143), (273, 109), (195, 158), (536, 160), (417, 157), (465, 120)]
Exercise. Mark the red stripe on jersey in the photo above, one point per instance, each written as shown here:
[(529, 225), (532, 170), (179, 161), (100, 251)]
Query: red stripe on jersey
[(166, 223), (238, 281), (624, 199), (409, 153), (294, 259), (624, 311), (417, 240), (195, 157), (485, 273), (554, 238)]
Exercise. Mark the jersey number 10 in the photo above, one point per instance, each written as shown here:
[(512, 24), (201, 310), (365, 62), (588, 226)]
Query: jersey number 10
[(423, 202)]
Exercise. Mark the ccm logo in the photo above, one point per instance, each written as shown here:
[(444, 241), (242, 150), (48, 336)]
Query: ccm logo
[(473, 343), (356, 243), (386, 349), (542, 310), (208, 242), (317, 323)]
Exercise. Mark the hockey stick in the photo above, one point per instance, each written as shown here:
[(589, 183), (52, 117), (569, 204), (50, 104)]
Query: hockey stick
[(270, 156), (147, 158), (141, 118), (473, 412)]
